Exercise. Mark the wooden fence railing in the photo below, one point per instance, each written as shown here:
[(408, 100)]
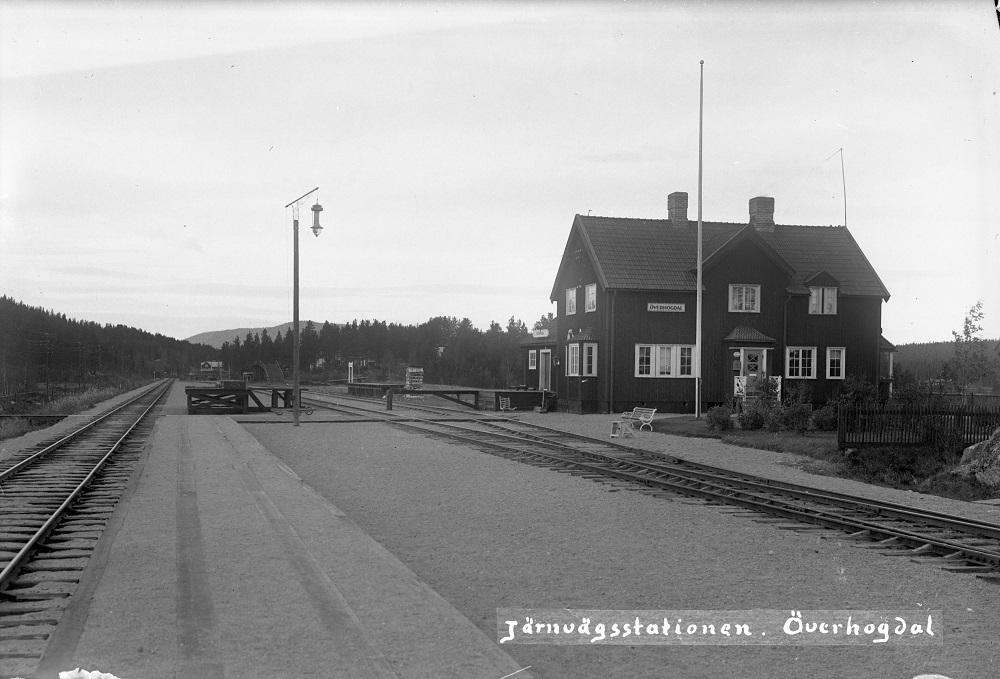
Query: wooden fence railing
[(914, 426)]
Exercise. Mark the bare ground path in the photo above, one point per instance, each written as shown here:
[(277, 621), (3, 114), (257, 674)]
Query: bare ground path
[(488, 533)]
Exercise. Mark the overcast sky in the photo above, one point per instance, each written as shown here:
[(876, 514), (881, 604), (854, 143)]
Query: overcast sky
[(147, 149)]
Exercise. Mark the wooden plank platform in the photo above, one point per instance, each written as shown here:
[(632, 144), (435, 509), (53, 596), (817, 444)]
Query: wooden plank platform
[(523, 400), (453, 395), (373, 389)]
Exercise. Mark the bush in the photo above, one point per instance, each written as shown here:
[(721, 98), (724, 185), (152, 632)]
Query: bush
[(826, 418), (856, 391), (797, 417), (768, 390), (774, 417), (720, 417), (895, 466), (753, 417), (798, 391)]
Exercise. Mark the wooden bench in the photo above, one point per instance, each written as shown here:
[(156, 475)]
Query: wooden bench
[(643, 415)]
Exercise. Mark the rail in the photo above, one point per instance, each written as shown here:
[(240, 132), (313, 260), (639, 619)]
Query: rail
[(17, 561), (957, 543)]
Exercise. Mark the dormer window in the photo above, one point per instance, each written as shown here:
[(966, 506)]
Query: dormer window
[(744, 298), (823, 301)]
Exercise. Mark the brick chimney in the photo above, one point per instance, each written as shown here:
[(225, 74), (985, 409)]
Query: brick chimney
[(762, 213), (677, 208)]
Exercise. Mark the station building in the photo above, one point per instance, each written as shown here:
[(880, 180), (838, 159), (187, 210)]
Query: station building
[(799, 304)]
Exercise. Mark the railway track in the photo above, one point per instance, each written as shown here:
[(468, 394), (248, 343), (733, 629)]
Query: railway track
[(955, 543), (54, 504)]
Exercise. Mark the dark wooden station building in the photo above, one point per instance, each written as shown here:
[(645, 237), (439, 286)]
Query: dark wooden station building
[(800, 304)]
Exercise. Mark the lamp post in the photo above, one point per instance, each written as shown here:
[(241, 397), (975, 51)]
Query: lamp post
[(316, 228)]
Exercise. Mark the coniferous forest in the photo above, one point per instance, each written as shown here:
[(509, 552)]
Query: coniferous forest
[(42, 350), (451, 351)]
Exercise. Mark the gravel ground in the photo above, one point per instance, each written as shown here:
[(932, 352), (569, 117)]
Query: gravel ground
[(489, 533)]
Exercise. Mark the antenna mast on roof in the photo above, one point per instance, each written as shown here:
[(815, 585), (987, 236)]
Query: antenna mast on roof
[(843, 179)]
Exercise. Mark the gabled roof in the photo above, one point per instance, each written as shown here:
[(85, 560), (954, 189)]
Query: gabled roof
[(724, 243), (545, 334), (659, 254)]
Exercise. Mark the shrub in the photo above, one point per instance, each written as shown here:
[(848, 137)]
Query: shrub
[(720, 417), (797, 391), (856, 391), (797, 417), (768, 390), (753, 417), (896, 466), (826, 418), (774, 417)]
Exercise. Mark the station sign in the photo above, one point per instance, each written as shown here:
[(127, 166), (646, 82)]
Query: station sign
[(665, 306)]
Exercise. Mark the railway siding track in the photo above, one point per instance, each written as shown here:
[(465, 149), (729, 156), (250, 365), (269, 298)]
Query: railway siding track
[(54, 506), (955, 543)]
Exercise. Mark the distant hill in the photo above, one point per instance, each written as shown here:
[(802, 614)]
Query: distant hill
[(216, 338)]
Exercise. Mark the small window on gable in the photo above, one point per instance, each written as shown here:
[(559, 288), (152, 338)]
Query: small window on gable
[(823, 301), (532, 360), (570, 301), (591, 297), (744, 298)]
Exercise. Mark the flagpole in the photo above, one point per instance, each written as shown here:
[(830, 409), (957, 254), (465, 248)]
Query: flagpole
[(698, 338)]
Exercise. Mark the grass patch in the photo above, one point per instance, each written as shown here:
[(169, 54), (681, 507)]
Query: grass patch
[(69, 404), (821, 445), (924, 470)]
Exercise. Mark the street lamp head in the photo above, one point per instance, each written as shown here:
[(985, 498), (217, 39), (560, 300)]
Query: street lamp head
[(316, 228)]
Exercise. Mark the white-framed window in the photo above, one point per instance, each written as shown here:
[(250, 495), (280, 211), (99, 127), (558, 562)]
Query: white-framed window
[(800, 362), (589, 359), (744, 298), (570, 301), (823, 301), (572, 360), (686, 361), (835, 363), (533, 360), (663, 360), (591, 297), (664, 363)]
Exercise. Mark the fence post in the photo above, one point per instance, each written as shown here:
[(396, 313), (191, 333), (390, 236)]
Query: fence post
[(388, 399), (840, 426)]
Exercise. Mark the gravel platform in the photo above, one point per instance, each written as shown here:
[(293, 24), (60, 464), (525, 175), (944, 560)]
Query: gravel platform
[(489, 533)]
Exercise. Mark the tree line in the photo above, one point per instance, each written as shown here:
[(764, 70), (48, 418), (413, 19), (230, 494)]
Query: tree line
[(969, 363), (451, 351), (42, 347)]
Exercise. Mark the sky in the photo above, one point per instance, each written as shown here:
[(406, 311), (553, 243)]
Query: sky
[(148, 149)]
